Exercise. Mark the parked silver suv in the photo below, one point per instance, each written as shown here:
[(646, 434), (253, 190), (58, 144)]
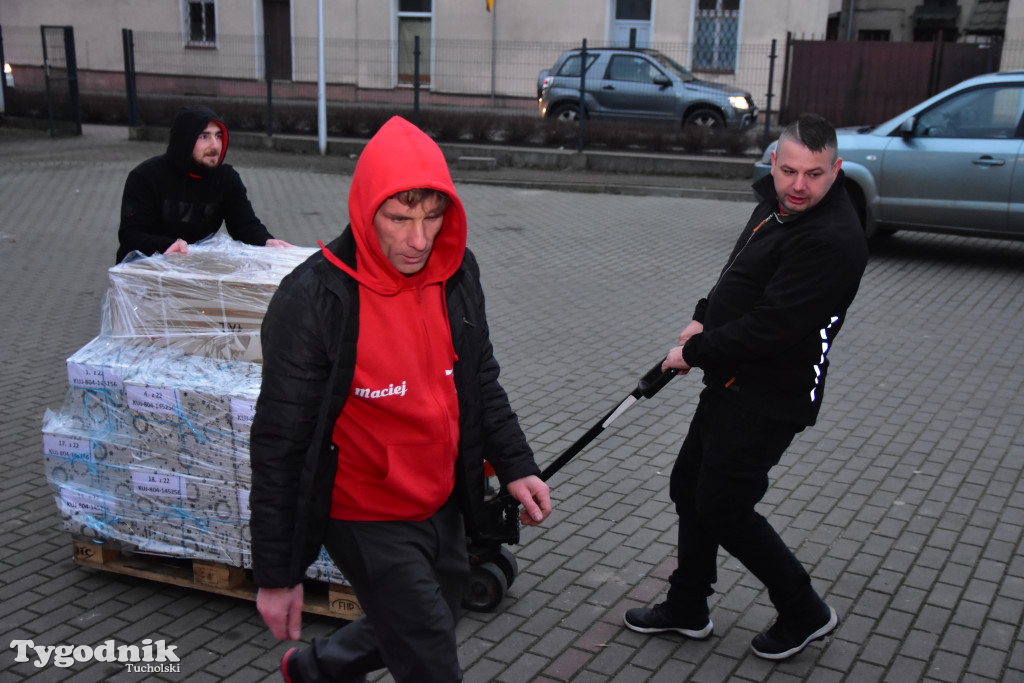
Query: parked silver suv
[(639, 84)]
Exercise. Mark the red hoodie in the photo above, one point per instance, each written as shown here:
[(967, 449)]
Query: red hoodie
[(398, 433)]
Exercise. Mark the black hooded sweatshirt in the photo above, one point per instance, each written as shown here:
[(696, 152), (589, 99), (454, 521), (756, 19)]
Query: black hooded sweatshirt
[(169, 196), (772, 317)]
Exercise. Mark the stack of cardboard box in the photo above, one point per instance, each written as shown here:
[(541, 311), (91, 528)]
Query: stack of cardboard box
[(151, 446)]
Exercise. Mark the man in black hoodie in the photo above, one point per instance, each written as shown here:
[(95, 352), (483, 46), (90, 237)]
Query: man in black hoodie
[(762, 337), (183, 195)]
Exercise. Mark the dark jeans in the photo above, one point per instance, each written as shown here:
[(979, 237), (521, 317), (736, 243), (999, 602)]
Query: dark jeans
[(720, 475), (409, 578)]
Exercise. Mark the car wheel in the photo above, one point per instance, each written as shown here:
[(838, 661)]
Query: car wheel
[(705, 118), (566, 112)]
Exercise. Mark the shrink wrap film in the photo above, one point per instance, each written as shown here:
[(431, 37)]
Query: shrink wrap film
[(151, 445)]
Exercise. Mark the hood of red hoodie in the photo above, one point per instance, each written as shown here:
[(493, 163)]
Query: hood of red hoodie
[(401, 157)]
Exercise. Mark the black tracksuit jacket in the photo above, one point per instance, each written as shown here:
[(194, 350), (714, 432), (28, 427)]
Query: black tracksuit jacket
[(772, 317)]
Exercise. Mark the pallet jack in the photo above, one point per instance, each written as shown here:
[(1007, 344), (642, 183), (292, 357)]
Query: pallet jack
[(493, 567)]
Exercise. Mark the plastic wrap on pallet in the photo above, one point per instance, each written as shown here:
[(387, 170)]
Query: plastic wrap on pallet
[(151, 446), (188, 411), (186, 516), (156, 467), (207, 302), (96, 375), (104, 491), (89, 477), (242, 401), (323, 569), (183, 414)]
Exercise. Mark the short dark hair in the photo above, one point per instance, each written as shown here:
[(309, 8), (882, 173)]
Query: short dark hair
[(417, 195), (813, 132)]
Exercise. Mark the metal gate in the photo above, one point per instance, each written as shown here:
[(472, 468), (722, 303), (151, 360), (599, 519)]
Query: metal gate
[(868, 82), (60, 68)]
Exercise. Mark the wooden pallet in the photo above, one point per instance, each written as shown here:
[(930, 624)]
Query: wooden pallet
[(327, 599)]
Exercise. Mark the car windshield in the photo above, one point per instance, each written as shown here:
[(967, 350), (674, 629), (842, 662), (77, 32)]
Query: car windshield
[(672, 65)]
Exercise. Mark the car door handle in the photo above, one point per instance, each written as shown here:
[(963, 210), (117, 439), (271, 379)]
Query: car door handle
[(988, 161), (608, 87)]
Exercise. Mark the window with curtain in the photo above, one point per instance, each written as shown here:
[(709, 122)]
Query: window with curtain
[(414, 17), (716, 35), (201, 23)]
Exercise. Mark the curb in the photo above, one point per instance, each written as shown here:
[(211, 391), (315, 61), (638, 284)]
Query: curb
[(605, 187), (492, 156)]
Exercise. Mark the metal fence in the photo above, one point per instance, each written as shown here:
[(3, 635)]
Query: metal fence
[(478, 72), (464, 73)]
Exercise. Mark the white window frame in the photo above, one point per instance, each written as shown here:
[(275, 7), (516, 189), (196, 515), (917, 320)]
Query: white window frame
[(717, 13), (186, 23)]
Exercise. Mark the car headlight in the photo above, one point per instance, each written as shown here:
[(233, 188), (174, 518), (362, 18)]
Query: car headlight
[(739, 102)]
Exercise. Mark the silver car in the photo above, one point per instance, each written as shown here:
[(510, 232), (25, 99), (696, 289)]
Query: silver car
[(639, 84), (952, 164)]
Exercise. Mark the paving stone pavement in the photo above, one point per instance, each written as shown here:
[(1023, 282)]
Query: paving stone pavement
[(905, 501)]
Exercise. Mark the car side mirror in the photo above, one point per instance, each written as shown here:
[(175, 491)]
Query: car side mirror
[(907, 127), (663, 82)]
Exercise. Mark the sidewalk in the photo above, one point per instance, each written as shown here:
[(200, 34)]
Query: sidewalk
[(905, 501)]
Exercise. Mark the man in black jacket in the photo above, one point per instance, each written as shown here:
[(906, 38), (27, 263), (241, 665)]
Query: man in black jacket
[(184, 195), (379, 401), (762, 337)]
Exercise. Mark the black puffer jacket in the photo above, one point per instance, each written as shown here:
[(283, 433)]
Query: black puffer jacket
[(309, 341), (168, 197), (771, 319)]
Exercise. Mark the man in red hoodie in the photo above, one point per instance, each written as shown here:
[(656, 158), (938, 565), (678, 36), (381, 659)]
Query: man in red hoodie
[(380, 400)]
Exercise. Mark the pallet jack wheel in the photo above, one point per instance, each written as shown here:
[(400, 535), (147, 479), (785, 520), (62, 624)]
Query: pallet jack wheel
[(506, 561), (486, 587)]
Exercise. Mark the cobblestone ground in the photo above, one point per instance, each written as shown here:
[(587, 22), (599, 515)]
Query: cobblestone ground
[(906, 501)]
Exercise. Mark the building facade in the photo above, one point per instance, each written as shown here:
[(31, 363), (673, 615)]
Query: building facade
[(465, 45), (470, 47)]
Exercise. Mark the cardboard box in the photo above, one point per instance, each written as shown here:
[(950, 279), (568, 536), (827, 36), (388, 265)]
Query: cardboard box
[(208, 302), (96, 378), (88, 476), (185, 516), (153, 437)]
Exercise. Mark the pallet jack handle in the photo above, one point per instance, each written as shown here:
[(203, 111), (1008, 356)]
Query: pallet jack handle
[(502, 525), (649, 385)]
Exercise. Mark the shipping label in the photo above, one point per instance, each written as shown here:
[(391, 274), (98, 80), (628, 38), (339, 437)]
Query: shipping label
[(74, 501), (151, 399), (149, 483), (83, 376), (64, 446)]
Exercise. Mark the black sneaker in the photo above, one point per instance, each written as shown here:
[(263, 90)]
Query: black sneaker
[(786, 637), (658, 619)]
